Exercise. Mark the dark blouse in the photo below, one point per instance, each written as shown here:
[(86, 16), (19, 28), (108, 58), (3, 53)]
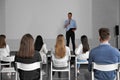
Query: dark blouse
[(29, 75)]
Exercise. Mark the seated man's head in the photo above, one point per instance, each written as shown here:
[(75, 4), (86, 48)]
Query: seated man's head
[(104, 34)]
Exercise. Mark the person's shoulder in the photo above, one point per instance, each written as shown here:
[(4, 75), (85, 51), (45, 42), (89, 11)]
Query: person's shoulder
[(95, 49), (88, 52), (44, 44), (80, 45), (36, 53), (67, 48), (115, 49), (7, 45)]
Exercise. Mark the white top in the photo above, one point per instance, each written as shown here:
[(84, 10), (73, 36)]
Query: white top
[(62, 62), (4, 52), (43, 53), (80, 54)]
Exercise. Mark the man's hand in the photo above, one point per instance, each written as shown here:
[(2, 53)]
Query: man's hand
[(73, 29)]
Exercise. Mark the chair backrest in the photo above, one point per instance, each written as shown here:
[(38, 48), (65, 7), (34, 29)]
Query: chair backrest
[(105, 67), (82, 62), (8, 59), (66, 69), (28, 67)]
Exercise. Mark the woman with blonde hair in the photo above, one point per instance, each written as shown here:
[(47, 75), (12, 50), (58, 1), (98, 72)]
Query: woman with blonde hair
[(62, 53)]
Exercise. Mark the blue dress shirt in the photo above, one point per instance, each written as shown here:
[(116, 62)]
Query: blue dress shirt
[(71, 25), (104, 54)]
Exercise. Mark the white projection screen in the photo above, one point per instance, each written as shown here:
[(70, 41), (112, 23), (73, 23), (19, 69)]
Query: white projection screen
[(46, 17)]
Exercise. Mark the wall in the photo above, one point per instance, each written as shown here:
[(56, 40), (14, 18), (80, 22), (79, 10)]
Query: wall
[(104, 14), (119, 23), (2, 16), (45, 18)]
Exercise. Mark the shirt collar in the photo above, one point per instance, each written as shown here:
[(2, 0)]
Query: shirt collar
[(105, 43)]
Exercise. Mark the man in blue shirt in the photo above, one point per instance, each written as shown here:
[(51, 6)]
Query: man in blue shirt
[(104, 54), (70, 26)]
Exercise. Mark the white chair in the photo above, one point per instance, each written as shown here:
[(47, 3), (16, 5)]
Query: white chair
[(67, 69), (105, 67), (76, 62), (29, 67), (8, 60), (45, 65), (9, 69)]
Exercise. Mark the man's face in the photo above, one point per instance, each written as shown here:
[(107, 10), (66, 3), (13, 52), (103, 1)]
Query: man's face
[(69, 16)]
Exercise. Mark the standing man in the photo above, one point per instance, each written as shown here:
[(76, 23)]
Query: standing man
[(104, 54), (70, 26)]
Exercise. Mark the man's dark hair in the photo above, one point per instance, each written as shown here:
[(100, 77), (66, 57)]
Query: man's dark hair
[(3, 35), (70, 13), (104, 33)]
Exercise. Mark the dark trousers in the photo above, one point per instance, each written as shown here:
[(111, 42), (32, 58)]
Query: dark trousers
[(29, 75), (70, 34), (59, 74)]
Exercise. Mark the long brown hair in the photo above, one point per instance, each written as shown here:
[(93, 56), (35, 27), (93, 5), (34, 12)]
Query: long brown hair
[(84, 41), (26, 49), (60, 49), (2, 42)]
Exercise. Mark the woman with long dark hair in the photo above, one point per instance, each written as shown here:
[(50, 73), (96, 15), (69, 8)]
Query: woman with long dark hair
[(40, 46), (82, 51)]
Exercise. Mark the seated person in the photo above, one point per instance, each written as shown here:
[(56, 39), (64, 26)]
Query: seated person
[(104, 54), (61, 56), (41, 47), (4, 48), (27, 54), (82, 51)]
